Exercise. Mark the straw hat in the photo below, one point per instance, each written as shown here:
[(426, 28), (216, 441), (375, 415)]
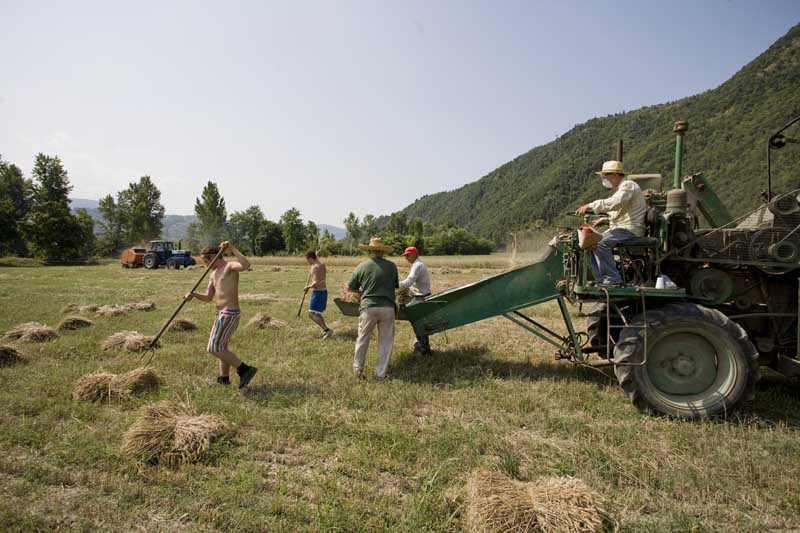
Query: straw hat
[(612, 167), (376, 245)]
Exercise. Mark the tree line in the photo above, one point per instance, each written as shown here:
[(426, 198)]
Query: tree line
[(36, 220)]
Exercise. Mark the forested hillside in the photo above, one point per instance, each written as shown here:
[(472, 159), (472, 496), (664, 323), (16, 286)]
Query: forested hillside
[(728, 131)]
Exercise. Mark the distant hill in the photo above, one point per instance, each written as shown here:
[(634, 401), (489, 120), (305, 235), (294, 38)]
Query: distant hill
[(728, 131), (175, 226)]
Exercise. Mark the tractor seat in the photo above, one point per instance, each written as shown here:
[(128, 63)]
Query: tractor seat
[(647, 242)]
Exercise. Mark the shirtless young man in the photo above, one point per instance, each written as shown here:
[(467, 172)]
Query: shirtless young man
[(224, 288), (319, 296)]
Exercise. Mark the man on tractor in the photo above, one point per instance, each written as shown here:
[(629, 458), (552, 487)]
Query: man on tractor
[(626, 211)]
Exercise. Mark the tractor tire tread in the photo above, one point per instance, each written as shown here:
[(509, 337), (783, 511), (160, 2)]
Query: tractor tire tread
[(627, 351)]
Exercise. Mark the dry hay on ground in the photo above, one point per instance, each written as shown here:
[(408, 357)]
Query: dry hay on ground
[(80, 309), (266, 296), (32, 332), (133, 341), (122, 309), (349, 296), (277, 269), (183, 324), (262, 321), (73, 323), (402, 296), (9, 356), (172, 433), (497, 503), (106, 386)]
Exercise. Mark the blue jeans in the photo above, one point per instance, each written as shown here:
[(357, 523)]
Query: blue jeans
[(603, 265)]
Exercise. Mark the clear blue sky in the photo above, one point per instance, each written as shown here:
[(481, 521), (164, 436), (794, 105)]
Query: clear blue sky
[(336, 106)]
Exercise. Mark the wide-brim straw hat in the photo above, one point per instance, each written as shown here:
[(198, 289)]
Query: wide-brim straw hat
[(376, 245), (612, 167)]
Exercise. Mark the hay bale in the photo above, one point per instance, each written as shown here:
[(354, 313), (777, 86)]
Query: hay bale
[(136, 382), (132, 341), (349, 296), (141, 306), (497, 503), (106, 386), (263, 321), (80, 309), (73, 323), (32, 332), (93, 387), (112, 310), (183, 324), (402, 296), (9, 356), (172, 433)]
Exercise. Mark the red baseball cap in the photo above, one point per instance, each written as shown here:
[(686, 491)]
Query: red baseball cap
[(411, 250)]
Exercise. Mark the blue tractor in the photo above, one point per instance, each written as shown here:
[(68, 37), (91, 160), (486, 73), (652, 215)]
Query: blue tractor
[(162, 253)]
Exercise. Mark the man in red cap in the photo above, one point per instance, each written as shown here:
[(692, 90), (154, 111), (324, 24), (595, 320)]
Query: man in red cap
[(419, 282)]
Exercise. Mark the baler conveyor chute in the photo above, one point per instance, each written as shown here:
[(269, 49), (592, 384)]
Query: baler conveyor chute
[(505, 294)]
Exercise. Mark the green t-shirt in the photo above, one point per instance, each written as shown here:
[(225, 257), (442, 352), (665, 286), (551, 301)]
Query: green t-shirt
[(376, 279)]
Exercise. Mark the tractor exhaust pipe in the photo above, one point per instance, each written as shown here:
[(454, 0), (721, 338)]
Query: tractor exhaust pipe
[(679, 128)]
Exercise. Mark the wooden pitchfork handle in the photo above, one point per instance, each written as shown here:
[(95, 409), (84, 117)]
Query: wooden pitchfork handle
[(152, 348), (305, 291)]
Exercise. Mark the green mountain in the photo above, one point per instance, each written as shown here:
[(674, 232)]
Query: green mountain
[(727, 137)]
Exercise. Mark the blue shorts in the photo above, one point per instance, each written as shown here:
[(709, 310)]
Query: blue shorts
[(318, 302)]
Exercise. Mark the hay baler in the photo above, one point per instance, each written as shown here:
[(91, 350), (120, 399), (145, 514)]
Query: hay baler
[(689, 351)]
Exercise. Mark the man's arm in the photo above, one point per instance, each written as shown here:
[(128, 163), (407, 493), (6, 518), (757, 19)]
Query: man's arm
[(413, 275), (354, 285), (621, 197), (205, 297), (242, 264)]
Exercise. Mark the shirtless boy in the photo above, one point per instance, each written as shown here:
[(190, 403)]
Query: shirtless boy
[(319, 296), (224, 288)]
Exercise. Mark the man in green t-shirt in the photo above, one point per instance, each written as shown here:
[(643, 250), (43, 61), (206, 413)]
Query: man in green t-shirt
[(376, 280)]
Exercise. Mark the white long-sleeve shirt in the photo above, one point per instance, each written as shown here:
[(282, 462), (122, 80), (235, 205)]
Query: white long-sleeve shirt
[(626, 208), (418, 279)]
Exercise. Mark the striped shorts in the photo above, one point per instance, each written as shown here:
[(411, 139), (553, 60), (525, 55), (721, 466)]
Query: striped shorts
[(224, 325)]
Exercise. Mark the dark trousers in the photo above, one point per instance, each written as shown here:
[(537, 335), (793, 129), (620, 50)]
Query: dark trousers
[(422, 342)]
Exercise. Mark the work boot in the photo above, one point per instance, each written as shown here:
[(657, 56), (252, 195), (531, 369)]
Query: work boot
[(246, 373), (224, 380)]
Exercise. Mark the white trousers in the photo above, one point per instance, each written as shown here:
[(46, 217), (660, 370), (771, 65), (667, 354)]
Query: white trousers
[(383, 317)]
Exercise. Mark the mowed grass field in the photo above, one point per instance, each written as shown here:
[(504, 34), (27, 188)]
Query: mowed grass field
[(315, 449)]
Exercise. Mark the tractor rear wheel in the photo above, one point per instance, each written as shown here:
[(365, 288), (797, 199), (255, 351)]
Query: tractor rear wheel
[(172, 263), (150, 261), (699, 362)]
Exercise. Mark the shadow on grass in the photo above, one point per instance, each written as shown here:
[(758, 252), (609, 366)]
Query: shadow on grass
[(471, 364), (350, 334), (777, 400), (284, 392)]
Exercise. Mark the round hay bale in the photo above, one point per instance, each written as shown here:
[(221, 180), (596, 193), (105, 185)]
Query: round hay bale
[(497, 503), (93, 387), (9, 356), (183, 324), (263, 321), (132, 341), (32, 332), (171, 433), (73, 323)]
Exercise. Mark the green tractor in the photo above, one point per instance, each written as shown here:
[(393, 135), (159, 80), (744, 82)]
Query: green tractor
[(690, 347)]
